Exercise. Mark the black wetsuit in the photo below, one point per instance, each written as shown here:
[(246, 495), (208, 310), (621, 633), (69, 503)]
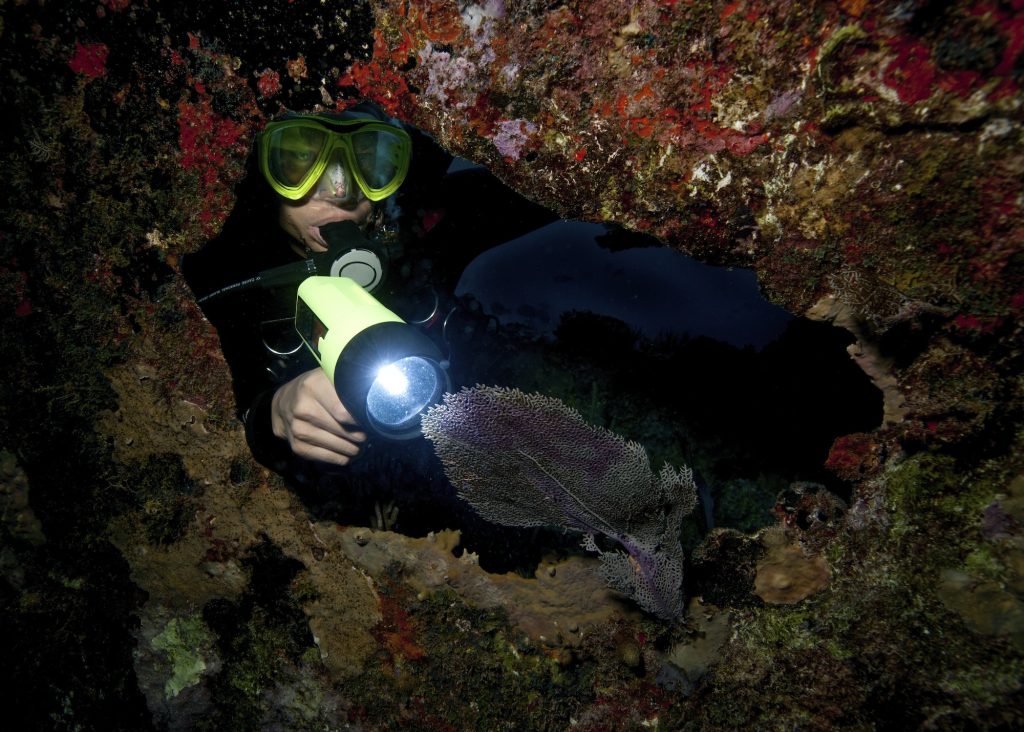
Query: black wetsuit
[(465, 212)]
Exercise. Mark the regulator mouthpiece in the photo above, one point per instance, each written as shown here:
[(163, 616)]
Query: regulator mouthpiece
[(351, 254)]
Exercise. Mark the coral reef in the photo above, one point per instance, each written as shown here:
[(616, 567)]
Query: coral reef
[(863, 157)]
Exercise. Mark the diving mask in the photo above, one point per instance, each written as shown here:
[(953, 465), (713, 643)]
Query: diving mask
[(296, 151)]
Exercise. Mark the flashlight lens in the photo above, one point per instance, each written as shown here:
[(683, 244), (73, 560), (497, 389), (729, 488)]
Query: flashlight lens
[(402, 390), (393, 380)]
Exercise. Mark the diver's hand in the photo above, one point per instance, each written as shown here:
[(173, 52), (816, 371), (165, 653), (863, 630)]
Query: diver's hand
[(307, 412)]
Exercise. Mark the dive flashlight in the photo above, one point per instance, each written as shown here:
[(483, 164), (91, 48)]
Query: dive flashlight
[(385, 371)]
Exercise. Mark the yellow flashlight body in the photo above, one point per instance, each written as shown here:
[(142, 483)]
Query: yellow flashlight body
[(330, 312)]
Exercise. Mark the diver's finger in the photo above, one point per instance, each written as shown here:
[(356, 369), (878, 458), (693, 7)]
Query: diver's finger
[(304, 435), (322, 418), (324, 392), (310, 434), (329, 400), (321, 454)]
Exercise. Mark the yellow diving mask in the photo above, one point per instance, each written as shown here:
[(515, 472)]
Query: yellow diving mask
[(297, 150)]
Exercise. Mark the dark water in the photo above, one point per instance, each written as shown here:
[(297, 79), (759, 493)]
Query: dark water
[(653, 289)]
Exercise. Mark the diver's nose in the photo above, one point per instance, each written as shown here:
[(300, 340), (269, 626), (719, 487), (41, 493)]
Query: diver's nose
[(337, 184)]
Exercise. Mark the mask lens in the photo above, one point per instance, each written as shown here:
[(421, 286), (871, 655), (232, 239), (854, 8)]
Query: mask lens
[(379, 155), (292, 153)]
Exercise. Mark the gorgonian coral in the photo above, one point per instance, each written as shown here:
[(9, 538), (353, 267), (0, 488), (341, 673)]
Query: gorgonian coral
[(530, 460)]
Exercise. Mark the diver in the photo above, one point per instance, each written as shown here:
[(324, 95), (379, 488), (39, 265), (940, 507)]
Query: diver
[(420, 224)]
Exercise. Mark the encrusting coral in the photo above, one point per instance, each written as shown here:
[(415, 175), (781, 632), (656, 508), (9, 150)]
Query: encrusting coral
[(562, 602), (787, 575)]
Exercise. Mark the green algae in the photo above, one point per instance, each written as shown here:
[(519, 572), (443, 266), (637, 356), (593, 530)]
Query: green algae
[(257, 654), (182, 640), (914, 486), (843, 35), (983, 562), (768, 630)]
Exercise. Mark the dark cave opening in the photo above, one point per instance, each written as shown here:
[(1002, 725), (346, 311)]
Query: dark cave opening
[(752, 402)]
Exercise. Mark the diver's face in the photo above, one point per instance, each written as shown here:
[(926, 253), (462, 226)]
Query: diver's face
[(336, 197)]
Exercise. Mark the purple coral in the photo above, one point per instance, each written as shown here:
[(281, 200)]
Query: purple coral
[(447, 78), (530, 460), (512, 136)]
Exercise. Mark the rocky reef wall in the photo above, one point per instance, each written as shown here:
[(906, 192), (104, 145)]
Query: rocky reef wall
[(864, 158)]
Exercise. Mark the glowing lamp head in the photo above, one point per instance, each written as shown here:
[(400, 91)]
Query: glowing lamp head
[(385, 371), (391, 380), (402, 391)]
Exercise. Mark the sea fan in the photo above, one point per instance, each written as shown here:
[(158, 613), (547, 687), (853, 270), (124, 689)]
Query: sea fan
[(530, 460)]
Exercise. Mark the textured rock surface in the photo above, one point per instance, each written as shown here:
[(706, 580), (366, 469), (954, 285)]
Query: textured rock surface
[(864, 157), (561, 604), (787, 575), (698, 654)]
